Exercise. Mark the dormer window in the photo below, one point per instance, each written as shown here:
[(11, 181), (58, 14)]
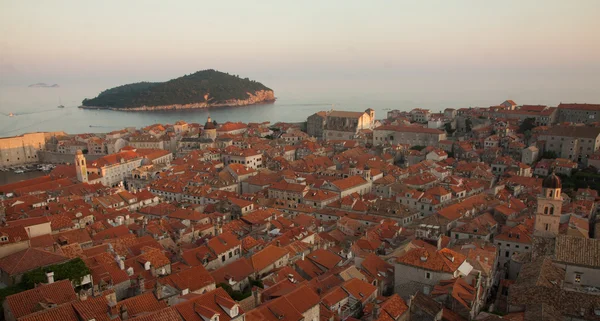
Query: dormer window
[(3, 238)]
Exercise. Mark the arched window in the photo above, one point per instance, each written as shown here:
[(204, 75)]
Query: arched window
[(551, 210), (550, 193), (546, 210)]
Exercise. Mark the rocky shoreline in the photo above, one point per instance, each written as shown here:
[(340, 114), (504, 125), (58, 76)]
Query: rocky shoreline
[(259, 97)]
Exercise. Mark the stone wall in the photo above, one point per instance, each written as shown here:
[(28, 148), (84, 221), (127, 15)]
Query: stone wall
[(60, 158), (21, 150)]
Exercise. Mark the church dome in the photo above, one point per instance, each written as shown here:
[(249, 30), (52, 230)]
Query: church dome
[(551, 181), (209, 124)]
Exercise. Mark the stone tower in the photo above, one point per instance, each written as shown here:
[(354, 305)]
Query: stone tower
[(81, 167), (549, 207)]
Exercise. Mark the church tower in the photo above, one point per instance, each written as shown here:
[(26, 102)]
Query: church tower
[(210, 130), (549, 207), (81, 167)]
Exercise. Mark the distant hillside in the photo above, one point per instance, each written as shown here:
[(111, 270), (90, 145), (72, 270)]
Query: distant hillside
[(43, 85), (201, 89)]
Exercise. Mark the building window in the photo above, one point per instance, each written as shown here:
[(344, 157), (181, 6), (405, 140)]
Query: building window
[(577, 277), (428, 275)]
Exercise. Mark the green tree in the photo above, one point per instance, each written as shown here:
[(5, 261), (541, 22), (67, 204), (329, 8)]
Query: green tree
[(526, 125), (448, 128), (468, 125)]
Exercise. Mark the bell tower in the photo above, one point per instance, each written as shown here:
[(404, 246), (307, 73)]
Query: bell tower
[(549, 207), (81, 167)]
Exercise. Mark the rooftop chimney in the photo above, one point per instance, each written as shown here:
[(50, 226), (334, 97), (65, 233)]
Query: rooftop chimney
[(50, 277)]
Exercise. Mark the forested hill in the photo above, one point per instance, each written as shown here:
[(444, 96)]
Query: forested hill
[(210, 87)]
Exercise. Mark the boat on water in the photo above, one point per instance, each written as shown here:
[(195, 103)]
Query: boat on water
[(60, 105)]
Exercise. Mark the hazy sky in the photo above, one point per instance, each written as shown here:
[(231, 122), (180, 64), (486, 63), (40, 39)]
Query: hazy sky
[(551, 42)]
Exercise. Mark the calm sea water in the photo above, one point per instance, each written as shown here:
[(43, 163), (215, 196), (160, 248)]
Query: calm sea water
[(35, 109)]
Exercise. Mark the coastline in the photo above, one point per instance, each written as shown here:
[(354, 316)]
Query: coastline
[(259, 97)]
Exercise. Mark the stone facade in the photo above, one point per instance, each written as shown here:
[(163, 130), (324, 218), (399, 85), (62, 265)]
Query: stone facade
[(21, 150), (579, 113), (345, 125), (315, 124), (576, 143), (412, 135)]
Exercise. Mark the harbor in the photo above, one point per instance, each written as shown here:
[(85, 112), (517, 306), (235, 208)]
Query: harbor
[(9, 175)]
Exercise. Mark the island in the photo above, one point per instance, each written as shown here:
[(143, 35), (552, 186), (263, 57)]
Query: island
[(43, 85), (203, 89)]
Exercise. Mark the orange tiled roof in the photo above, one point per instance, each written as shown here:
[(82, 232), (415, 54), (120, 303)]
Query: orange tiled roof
[(29, 259), (266, 257), (428, 257), (27, 302)]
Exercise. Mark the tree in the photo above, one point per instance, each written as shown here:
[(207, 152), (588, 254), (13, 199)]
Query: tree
[(418, 147), (526, 125), (448, 128), (468, 125), (549, 154)]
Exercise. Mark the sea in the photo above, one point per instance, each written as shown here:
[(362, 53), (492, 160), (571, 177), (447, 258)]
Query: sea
[(25, 109)]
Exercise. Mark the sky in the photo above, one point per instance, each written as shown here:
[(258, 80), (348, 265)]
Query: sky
[(442, 45)]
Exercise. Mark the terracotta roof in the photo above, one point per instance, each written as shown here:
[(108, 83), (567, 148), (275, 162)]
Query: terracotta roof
[(334, 296), (324, 258), (266, 257), (27, 302), (359, 289), (223, 243), (394, 306), (578, 251), (14, 234), (63, 312), (210, 302), (29, 259), (573, 131), (458, 288), (280, 309), (237, 270), (592, 107), (142, 303), (166, 314), (428, 257), (192, 279), (349, 182)]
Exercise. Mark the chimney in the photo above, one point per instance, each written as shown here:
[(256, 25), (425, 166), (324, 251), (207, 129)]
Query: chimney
[(124, 313), (82, 295), (376, 311), (158, 290), (141, 284), (50, 277), (256, 296), (291, 278)]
